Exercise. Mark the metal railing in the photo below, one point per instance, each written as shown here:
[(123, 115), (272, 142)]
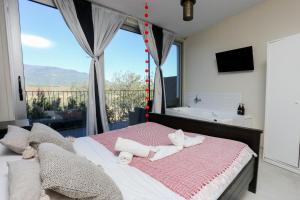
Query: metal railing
[(118, 102)]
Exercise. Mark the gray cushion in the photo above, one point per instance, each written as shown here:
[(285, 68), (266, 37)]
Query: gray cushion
[(74, 176), (41, 133), (16, 139), (24, 180)]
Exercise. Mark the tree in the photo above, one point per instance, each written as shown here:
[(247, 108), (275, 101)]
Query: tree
[(37, 108), (72, 103), (125, 92), (125, 81)]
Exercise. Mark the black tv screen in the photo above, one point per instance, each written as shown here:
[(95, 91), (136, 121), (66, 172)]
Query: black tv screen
[(235, 60)]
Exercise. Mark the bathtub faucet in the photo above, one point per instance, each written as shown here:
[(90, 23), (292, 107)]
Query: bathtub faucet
[(197, 99)]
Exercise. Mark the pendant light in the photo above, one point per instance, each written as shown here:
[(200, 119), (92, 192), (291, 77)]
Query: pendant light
[(188, 9)]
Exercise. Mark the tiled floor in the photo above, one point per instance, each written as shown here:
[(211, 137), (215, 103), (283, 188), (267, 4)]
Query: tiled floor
[(275, 183)]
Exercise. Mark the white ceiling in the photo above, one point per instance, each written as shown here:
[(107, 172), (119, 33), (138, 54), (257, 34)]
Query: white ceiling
[(168, 13)]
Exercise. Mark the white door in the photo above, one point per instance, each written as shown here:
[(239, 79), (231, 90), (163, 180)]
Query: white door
[(282, 125)]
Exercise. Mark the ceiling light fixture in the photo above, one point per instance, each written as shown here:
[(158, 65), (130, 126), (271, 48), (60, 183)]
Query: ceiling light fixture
[(188, 9)]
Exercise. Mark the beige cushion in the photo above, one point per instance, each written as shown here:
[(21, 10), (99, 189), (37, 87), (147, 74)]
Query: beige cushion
[(16, 139), (74, 176), (41, 133), (24, 180)]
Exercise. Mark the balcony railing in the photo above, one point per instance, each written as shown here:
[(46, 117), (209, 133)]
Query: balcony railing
[(66, 105)]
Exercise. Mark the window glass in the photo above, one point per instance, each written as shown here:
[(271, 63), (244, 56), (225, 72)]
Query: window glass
[(124, 77), (56, 70), (171, 73)]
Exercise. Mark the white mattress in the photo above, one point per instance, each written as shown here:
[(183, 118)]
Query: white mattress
[(133, 183)]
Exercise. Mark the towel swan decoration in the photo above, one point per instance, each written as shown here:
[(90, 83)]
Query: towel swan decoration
[(129, 148)]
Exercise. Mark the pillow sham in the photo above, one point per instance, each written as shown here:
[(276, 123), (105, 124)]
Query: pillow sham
[(16, 139), (74, 176), (41, 133), (24, 180)]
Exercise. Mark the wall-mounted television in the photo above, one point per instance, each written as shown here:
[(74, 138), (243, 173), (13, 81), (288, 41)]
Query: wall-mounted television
[(235, 60)]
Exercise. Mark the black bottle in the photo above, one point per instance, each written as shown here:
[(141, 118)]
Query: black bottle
[(243, 110), (239, 110)]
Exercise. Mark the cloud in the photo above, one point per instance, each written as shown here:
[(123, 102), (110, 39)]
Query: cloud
[(35, 41)]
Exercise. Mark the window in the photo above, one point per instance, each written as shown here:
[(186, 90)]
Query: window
[(56, 69), (56, 72), (172, 76), (125, 76)]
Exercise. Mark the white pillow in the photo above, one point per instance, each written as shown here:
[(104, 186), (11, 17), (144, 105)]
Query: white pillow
[(16, 139), (41, 133), (24, 180)]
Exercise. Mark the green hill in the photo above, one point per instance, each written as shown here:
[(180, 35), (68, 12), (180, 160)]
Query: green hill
[(53, 76)]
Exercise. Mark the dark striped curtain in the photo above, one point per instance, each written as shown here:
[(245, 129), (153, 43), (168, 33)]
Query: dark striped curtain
[(159, 45), (93, 27)]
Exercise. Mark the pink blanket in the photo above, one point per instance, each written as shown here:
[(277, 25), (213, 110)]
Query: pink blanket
[(186, 172)]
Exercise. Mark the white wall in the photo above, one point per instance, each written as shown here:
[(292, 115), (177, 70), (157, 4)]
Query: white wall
[(268, 21), (6, 103)]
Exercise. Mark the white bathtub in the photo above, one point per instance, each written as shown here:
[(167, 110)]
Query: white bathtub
[(211, 116)]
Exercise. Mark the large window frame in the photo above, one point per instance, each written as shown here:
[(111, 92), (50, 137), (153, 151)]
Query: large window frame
[(130, 25), (179, 45)]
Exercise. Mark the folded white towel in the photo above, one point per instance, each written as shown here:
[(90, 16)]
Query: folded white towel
[(177, 138), (192, 141), (125, 158), (130, 146), (165, 151)]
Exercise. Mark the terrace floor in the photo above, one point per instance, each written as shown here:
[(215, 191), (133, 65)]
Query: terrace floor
[(81, 132)]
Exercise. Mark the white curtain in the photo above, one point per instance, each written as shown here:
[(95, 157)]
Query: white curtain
[(159, 99), (106, 24), (68, 11)]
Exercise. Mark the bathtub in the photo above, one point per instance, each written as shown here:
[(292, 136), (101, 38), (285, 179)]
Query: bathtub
[(211, 116)]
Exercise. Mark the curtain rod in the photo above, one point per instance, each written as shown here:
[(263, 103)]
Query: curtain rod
[(52, 4), (123, 13)]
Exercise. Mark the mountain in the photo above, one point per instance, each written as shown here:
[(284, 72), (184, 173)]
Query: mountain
[(53, 76)]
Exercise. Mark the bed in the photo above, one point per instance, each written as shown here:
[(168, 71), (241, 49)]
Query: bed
[(247, 178), (135, 184)]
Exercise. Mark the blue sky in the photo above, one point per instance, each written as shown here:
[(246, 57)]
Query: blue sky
[(47, 41)]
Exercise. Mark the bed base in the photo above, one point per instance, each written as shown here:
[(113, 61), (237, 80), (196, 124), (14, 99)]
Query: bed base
[(247, 178)]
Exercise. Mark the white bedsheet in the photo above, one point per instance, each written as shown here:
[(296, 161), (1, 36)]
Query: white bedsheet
[(133, 183)]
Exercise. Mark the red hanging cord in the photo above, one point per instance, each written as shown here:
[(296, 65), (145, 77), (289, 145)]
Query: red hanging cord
[(147, 70)]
